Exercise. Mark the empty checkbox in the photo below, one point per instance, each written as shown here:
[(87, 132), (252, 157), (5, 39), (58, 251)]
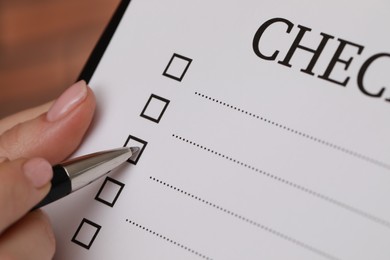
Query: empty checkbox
[(109, 192), (155, 108), (133, 141), (177, 67), (86, 234)]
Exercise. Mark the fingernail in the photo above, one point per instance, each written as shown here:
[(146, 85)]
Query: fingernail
[(38, 171), (72, 97)]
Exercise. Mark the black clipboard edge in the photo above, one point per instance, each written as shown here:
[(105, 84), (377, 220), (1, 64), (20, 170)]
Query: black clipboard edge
[(101, 46)]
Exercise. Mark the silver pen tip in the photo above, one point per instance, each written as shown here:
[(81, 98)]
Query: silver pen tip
[(134, 149), (134, 152), (83, 170)]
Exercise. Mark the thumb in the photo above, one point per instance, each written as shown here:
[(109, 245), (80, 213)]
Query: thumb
[(53, 135), (24, 183)]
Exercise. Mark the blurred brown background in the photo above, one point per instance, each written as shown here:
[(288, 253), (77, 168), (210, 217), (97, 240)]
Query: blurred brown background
[(44, 45)]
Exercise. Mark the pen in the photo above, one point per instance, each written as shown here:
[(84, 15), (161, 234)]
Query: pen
[(76, 173)]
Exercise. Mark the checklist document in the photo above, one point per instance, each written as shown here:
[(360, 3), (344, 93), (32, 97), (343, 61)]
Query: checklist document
[(263, 129)]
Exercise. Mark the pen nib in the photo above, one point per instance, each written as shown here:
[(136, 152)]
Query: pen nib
[(135, 152)]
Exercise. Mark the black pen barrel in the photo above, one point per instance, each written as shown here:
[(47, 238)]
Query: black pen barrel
[(60, 186)]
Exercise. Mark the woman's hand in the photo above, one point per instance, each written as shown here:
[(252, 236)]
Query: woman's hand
[(30, 142)]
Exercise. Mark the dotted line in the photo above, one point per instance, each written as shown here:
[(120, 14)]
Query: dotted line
[(340, 204), (168, 240), (249, 221), (307, 136)]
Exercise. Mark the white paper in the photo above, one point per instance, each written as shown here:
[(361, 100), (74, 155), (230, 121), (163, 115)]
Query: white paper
[(251, 159)]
